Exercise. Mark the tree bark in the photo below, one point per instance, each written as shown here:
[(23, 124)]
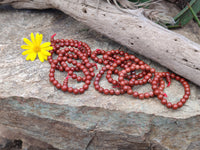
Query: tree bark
[(141, 35)]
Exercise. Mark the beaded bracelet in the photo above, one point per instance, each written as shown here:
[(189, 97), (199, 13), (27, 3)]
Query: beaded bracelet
[(159, 94), (85, 66), (73, 56)]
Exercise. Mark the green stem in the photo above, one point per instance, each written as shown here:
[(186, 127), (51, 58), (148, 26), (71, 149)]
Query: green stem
[(194, 14), (174, 26)]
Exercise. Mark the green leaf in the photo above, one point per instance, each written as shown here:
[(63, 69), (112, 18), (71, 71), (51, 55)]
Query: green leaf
[(187, 14)]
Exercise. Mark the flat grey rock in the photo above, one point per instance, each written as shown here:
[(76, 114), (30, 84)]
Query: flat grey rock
[(34, 111)]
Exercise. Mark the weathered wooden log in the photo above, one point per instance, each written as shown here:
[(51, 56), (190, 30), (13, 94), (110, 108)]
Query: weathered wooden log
[(141, 35)]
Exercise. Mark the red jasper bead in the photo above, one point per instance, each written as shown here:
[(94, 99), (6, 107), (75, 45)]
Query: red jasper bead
[(169, 105), (180, 104), (164, 101), (174, 106), (58, 85), (64, 88)]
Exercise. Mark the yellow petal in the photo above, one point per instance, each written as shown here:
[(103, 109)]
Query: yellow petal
[(33, 56), (26, 47), (47, 48), (27, 52), (39, 38), (36, 38), (41, 56), (45, 58), (46, 44), (46, 53), (32, 38), (28, 42), (28, 57)]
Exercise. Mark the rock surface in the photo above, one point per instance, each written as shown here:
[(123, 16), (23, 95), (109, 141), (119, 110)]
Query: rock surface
[(132, 30), (40, 116)]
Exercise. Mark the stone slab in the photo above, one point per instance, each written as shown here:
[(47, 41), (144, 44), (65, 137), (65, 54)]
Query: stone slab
[(34, 111)]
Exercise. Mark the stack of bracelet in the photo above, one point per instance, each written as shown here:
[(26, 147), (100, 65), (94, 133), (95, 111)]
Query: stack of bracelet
[(77, 50), (116, 62)]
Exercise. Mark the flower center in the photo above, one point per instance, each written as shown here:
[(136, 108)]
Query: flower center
[(37, 49)]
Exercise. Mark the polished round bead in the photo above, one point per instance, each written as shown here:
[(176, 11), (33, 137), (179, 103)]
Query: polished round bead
[(146, 95), (58, 85), (112, 92), (106, 91), (169, 105), (75, 91), (180, 104), (81, 90), (55, 82), (156, 92), (130, 91), (117, 92), (164, 101), (183, 100), (64, 88), (174, 106), (160, 96), (186, 97), (51, 79), (141, 96), (87, 82), (85, 86)]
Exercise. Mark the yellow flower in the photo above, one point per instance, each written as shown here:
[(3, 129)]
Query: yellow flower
[(35, 47)]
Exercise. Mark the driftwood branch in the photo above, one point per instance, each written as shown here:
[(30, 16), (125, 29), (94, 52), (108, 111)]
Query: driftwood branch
[(141, 35)]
